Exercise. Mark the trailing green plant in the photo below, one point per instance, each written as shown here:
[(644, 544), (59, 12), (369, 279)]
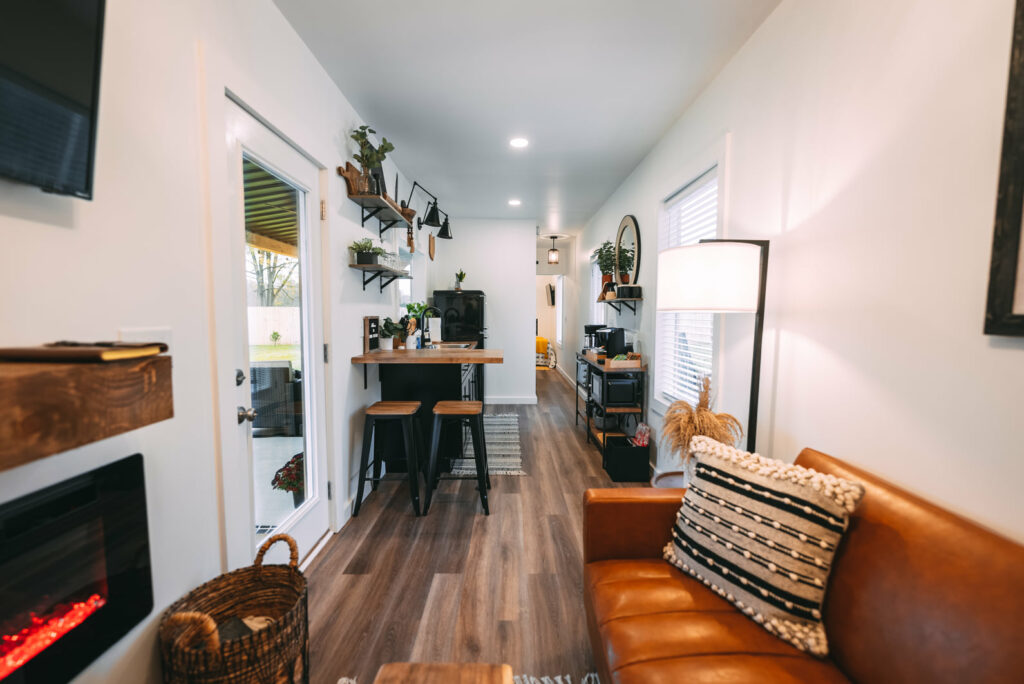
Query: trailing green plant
[(605, 256), (391, 329), (416, 309), (365, 246), (460, 275), (370, 157)]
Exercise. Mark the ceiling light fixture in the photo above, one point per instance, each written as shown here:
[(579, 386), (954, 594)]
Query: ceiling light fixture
[(552, 253), (514, 202), (518, 143)]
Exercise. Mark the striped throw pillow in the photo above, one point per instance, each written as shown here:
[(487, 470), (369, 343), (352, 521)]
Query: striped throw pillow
[(762, 534)]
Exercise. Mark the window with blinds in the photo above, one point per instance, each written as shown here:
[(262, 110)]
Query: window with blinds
[(685, 342), (597, 309)]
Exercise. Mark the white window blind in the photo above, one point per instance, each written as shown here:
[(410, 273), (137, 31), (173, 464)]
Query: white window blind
[(685, 342), (597, 309)]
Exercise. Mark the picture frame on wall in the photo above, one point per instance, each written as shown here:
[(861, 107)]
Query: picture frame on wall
[(1004, 313)]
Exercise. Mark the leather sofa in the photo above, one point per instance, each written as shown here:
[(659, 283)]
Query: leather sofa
[(916, 594)]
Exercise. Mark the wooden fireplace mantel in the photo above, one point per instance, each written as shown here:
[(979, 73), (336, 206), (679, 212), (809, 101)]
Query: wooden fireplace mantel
[(46, 408)]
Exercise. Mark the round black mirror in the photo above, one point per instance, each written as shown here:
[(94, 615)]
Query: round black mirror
[(627, 252)]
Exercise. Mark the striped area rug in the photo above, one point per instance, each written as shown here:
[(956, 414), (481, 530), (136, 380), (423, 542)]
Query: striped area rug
[(504, 450)]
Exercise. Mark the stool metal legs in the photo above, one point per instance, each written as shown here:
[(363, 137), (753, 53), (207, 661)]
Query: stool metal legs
[(483, 477), (411, 442)]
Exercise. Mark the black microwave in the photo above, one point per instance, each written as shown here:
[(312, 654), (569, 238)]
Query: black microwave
[(621, 391)]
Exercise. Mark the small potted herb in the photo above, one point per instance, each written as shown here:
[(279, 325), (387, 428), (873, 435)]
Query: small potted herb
[(459, 277), (389, 330), (291, 477), (605, 256), (365, 252)]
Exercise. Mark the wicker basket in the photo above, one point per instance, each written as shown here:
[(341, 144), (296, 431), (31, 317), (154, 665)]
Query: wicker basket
[(191, 649)]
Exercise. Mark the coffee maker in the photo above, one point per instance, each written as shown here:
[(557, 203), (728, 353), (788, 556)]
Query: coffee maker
[(590, 335), (612, 339)]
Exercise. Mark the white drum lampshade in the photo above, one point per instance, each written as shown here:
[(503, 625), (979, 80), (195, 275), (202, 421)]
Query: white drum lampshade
[(720, 277)]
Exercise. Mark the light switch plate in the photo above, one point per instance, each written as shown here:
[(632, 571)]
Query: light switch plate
[(146, 335)]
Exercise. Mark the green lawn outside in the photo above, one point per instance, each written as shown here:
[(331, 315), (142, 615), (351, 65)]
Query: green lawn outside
[(277, 352)]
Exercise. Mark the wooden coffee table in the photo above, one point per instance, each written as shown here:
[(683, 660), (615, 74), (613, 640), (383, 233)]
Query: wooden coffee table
[(443, 673)]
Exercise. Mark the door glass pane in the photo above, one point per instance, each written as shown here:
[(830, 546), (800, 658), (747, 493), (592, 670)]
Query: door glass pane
[(273, 227)]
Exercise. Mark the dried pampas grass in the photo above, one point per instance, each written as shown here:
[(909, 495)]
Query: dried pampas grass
[(683, 422)]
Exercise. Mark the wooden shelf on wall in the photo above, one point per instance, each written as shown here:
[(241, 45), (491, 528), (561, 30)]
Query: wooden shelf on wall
[(386, 274), (628, 302), (47, 408)]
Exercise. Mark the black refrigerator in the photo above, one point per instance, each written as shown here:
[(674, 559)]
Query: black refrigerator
[(462, 320)]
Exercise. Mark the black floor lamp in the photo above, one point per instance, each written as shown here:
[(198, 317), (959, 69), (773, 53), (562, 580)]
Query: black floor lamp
[(719, 276)]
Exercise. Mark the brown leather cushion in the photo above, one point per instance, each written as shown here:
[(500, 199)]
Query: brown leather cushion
[(657, 624), (918, 594)]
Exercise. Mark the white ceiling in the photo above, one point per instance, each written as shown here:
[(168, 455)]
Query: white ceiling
[(593, 84)]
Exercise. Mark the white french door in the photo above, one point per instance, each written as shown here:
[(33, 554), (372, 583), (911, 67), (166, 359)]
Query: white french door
[(269, 318)]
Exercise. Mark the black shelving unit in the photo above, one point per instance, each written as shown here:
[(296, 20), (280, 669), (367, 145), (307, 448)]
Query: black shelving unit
[(623, 461)]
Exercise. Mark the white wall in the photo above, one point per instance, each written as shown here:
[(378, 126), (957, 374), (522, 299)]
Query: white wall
[(498, 258), (865, 142), (135, 257), (545, 312)]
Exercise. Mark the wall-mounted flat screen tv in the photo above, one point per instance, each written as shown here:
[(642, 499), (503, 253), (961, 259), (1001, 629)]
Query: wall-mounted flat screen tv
[(49, 92)]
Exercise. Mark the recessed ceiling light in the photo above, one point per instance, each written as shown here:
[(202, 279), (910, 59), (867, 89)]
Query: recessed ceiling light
[(514, 202), (518, 142)]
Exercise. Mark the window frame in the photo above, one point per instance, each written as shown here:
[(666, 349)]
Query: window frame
[(715, 157)]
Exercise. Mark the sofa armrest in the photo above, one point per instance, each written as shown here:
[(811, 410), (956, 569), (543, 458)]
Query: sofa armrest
[(632, 522)]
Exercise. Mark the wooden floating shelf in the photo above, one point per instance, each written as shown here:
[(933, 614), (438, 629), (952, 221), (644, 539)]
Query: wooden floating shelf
[(628, 302), (624, 409), (47, 408), (386, 274), (382, 209)]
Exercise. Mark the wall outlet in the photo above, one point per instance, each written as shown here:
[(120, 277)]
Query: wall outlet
[(146, 335)]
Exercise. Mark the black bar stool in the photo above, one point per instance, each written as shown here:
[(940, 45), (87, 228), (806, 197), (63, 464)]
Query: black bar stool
[(405, 413), (464, 412)]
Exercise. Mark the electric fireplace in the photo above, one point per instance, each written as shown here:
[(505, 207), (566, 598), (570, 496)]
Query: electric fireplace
[(74, 572)]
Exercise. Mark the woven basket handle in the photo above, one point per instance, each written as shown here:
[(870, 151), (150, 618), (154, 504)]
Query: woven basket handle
[(196, 624), (294, 562)]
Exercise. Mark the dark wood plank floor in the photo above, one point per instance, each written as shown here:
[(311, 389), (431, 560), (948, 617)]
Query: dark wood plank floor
[(459, 586)]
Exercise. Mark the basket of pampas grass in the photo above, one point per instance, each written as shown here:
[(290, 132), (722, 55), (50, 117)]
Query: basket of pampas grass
[(683, 422)]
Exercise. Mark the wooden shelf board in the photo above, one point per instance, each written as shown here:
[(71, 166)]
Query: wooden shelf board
[(47, 408), (623, 409), (598, 436), (621, 299), (382, 269), (387, 212)]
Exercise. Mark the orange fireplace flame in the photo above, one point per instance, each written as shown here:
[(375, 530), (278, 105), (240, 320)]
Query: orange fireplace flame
[(17, 649)]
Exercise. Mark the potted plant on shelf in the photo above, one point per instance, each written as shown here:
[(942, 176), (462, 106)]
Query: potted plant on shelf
[(459, 277), (389, 330), (291, 477), (370, 158), (365, 252), (605, 256)]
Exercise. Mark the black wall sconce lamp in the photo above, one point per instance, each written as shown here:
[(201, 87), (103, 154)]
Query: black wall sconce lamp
[(433, 215)]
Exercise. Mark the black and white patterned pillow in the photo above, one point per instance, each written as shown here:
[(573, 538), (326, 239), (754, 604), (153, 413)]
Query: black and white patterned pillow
[(762, 534)]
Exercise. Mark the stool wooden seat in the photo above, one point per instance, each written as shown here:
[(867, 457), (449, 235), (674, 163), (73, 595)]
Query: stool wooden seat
[(443, 673), (458, 408), (393, 408), (466, 413), (405, 413)]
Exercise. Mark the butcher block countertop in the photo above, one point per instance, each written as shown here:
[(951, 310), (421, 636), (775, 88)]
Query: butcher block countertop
[(432, 356)]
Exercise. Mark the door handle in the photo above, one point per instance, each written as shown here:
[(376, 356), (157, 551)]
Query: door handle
[(245, 414)]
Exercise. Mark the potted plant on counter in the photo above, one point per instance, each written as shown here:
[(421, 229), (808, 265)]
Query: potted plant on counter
[(605, 256), (365, 252), (389, 330), (459, 277)]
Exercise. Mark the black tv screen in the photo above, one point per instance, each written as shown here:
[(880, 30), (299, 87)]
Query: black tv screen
[(49, 91)]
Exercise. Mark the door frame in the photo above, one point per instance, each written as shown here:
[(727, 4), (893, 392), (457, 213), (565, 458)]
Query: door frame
[(230, 315)]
